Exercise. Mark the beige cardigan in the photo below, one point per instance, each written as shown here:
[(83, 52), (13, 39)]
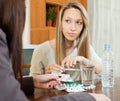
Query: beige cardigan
[(44, 55)]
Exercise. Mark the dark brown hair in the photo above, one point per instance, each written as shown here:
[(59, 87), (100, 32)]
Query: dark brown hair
[(12, 18)]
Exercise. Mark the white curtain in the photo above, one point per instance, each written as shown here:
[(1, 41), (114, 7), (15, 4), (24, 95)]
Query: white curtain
[(104, 17)]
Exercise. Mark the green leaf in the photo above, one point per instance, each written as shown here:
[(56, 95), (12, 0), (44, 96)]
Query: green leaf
[(50, 14)]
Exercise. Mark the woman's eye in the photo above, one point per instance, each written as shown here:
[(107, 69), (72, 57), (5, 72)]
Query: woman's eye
[(68, 21), (79, 23)]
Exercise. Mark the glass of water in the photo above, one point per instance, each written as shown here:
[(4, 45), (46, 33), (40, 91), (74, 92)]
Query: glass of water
[(88, 75)]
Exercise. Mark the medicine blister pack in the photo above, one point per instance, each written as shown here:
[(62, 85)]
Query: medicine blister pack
[(71, 87), (63, 77)]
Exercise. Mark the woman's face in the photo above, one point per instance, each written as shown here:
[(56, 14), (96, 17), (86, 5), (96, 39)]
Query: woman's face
[(72, 24)]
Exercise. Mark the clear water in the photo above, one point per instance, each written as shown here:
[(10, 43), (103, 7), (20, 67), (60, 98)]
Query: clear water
[(108, 77)]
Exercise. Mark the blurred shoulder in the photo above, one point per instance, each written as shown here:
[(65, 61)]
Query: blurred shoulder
[(43, 46)]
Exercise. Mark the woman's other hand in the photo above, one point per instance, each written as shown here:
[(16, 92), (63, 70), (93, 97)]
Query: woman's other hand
[(46, 81), (70, 62), (53, 68)]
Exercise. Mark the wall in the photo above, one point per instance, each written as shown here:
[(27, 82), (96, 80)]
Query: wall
[(26, 33)]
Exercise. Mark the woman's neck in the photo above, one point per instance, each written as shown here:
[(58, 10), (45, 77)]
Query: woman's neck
[(69, 46)]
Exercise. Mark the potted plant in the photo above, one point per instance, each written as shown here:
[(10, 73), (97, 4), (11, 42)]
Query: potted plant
[(50, 15)]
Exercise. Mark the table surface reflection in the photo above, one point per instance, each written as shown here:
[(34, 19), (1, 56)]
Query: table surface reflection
[(113, 93)]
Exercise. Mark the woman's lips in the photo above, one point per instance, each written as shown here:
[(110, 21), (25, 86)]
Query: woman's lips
[(72, 34)]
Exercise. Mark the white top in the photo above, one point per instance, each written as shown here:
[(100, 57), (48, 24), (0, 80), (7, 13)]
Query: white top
[(44, 55)]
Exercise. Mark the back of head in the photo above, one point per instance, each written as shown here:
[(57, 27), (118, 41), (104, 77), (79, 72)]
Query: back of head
[(12, 18)]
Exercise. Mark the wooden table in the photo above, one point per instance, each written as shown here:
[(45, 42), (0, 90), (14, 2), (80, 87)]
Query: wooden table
[(113, 93)]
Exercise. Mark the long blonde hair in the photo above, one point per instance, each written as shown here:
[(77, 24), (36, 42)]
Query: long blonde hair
[(82, 40)]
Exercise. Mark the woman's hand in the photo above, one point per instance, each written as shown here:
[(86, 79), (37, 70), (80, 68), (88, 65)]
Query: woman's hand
[(53, 68), (71, 62), (100, 97), (46, 81)]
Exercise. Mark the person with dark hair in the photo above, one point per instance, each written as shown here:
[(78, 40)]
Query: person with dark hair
[(12, 18)]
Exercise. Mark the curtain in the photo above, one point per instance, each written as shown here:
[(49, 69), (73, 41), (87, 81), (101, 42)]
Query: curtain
[(104, 19)]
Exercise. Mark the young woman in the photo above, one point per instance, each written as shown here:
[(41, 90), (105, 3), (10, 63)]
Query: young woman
[(70, 47), (12, 16)]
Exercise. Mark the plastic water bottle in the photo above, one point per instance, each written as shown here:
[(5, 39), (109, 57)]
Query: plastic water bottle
[(107, 67)]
